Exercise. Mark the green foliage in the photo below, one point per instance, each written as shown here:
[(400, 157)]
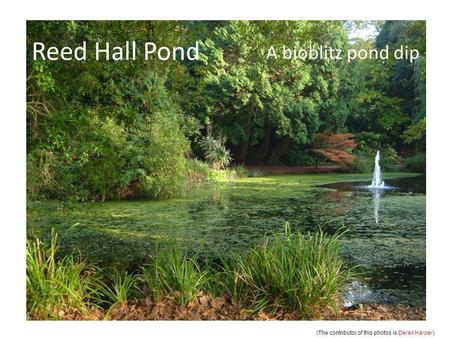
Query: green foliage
[(252, 100), (55, 286), (198, 172), (390, 96), (120, 288), (293, 272), (240, 171), (118, 130), (298, 155), (162, 158), (99, 131), (368, 145), (215, 152), (415, 134), (175, 275), (416, 163), (364, 162)]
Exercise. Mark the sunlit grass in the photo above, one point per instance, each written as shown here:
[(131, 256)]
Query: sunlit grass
[(55, 286)]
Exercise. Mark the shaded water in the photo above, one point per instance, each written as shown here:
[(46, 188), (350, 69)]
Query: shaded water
[(389, 244)]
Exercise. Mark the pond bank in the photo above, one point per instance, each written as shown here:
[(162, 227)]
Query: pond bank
[(221, 308)]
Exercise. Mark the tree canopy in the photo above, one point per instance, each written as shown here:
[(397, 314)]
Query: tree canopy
[(100, 129)]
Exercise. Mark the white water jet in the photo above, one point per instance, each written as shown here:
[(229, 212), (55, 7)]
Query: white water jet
[(377, 180)]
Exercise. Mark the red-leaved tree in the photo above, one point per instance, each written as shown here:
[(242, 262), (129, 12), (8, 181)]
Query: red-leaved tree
[(335, 147)]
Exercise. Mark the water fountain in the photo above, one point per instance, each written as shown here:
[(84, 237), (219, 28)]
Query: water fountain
[(376, 186), (377, 180)]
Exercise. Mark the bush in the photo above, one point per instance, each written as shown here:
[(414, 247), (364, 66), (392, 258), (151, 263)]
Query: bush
[(416, 163), (364, 161), (291, 272), (197, 172), (215, 152), (240, 171), (96, 158), (161, 158), (298, 155), (56, 286)]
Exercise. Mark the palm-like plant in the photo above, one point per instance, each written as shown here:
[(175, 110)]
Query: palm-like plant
[(215, 152)]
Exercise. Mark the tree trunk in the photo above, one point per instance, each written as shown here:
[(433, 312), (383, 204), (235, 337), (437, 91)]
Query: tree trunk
[(261, 150), (242, 148), (241, 152), (278, 150)]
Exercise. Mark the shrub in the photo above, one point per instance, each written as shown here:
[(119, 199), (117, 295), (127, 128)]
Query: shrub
[(416, 163), (162, 158), (91, 157), (293, 272), (240, 171), (197, 171), (223, 175), (49, 177), (175, 275), (298, 155), (215, 152), (336, 148), (364, 162), (56, 286)]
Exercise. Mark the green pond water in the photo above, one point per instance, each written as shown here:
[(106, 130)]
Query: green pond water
[(385, 230)]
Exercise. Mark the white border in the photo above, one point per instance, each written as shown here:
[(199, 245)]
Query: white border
[(12, 157)]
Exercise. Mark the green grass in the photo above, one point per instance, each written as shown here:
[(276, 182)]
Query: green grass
[(55, 286), (290, 272), (120, 288), (175, 275)]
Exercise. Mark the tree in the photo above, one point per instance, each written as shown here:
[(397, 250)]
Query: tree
[(263, 105), (97, 129), (335, 147)]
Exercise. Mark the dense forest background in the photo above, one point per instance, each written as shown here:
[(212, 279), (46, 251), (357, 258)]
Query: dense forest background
[(107, 130)]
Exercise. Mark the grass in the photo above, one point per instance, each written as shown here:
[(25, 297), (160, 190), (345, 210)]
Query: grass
[(175, 275), (120, 288), (55, 286), (288, 272)]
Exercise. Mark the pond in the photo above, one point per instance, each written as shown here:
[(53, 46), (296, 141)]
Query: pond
[(385, 230)]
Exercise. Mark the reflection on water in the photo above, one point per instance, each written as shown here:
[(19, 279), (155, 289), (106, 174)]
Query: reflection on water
[(399, 185), (390, 247), (376, 204)]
